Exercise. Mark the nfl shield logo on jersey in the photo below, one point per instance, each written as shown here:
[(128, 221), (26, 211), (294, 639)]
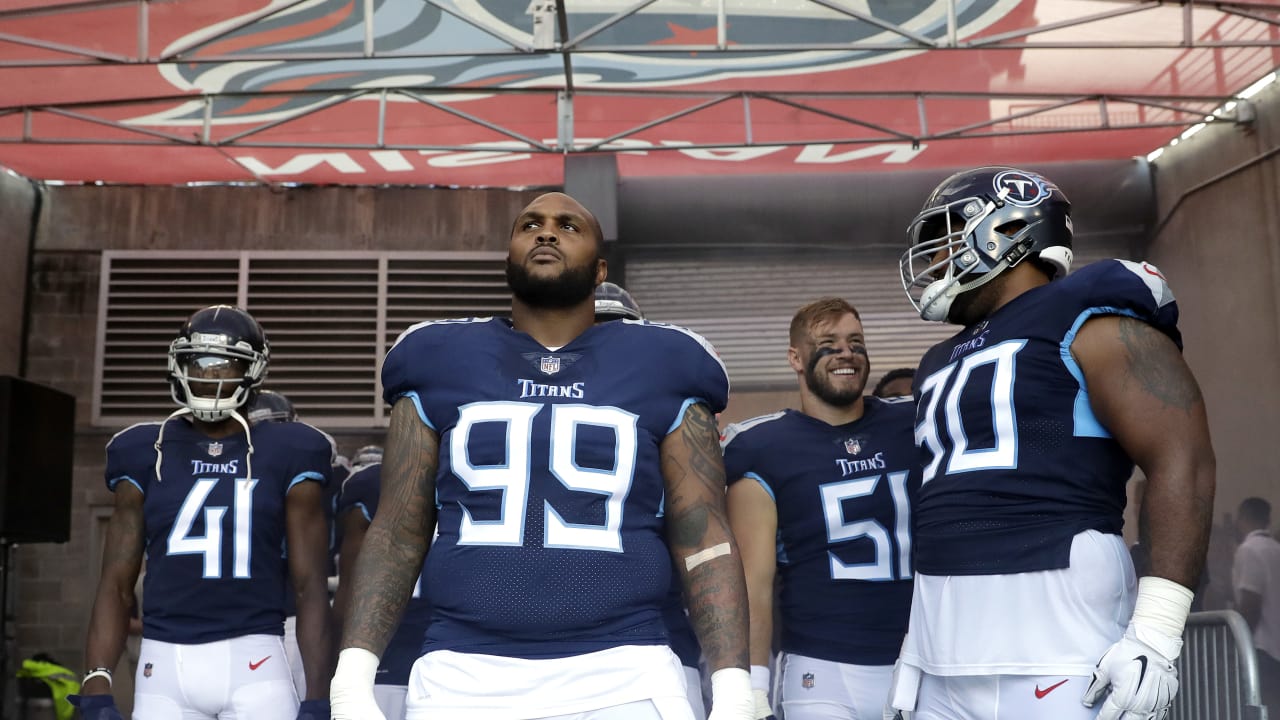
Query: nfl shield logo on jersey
[(806, 681), (550, 364), (215, 449), (852, 446), (146, 670)]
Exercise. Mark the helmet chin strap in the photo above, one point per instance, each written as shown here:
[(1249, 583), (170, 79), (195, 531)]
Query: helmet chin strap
[(948, 291), (248, 458)]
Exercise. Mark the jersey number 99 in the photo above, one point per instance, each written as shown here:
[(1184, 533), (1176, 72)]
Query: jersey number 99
[(513, 478)]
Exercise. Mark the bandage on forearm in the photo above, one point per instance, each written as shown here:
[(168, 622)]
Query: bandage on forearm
[(702, 556), (1163, 605)]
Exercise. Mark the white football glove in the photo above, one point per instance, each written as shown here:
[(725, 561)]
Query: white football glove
[(1137, 674), (732, 697), (351, 690)]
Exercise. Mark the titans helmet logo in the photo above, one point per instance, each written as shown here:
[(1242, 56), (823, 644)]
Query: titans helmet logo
[(1021, 189)]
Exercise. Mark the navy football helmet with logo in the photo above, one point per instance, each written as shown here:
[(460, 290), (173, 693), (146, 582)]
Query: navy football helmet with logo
[(271, 406), (614, 303), (218, 359), (977, 224)]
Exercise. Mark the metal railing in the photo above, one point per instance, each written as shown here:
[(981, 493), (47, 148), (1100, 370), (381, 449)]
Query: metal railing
[(1218, 670)]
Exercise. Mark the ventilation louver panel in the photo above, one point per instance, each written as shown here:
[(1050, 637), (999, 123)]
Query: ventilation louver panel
[(330, 318)]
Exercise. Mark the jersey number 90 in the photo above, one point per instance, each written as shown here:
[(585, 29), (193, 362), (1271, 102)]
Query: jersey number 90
[(940, 395)]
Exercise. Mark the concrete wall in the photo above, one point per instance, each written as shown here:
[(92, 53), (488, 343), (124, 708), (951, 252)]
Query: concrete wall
[(1217, 240)]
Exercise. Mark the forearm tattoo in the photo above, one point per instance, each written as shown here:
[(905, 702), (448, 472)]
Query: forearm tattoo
[(391, 557), (715, 591)]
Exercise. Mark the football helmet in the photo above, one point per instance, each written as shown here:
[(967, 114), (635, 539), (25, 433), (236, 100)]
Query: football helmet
[(977, 224), (614, 303), (270, 406), (367, 455), (218, 359)]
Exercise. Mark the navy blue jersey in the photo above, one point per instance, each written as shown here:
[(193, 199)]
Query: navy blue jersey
[(549, 487), (1015, 462), (843, 495), (215, 539)]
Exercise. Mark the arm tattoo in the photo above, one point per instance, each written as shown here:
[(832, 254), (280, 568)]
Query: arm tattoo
[(695, 480), (391, 557), (715, 591), (1152, 364), (125, 537)]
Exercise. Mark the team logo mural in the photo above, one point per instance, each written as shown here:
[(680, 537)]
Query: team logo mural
[(465, 48)]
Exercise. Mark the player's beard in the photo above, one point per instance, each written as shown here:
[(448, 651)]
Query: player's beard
[(567, 289), (820, 385), (970, 307)]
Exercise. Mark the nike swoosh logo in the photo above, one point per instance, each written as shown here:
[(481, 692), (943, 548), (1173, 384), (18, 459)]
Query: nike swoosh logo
[(1143, 672), (1041, 693), (256, 665)]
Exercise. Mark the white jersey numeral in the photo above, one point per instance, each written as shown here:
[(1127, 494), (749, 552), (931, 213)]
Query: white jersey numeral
[(513, 477), (940, 395), (840, 529), (181, 541)]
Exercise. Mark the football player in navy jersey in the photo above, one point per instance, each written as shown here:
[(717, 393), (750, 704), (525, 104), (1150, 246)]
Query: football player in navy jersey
[(613, 302), (1029, 422), (820, 498), (895, 383), (357, 505), (550, 453), (211, 501)]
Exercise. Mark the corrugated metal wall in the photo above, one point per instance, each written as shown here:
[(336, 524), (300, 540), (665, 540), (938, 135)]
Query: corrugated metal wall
[(734, 258)]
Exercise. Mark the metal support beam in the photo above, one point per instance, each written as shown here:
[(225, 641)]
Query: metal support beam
[(1072, 22), (476, 120), (606, 24), (241, 23), (514, 43), (873, 20), (564, 121)]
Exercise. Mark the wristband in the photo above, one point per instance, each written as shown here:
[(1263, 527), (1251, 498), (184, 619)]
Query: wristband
[(97, 672), (760, 677)]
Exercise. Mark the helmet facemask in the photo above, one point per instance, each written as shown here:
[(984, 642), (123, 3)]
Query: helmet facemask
[(211, 377)]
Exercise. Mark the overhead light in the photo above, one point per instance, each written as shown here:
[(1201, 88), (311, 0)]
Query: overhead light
[(1238, 109), (1257, 87), (1191, 131)]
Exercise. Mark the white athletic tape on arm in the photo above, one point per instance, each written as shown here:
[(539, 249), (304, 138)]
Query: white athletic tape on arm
[(702, 556), (1162, 605)]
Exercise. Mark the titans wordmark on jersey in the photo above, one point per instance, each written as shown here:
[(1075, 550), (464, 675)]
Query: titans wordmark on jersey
[(843, 496), (549, 486), (360, 494), (1015, 463), (214, 536)]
